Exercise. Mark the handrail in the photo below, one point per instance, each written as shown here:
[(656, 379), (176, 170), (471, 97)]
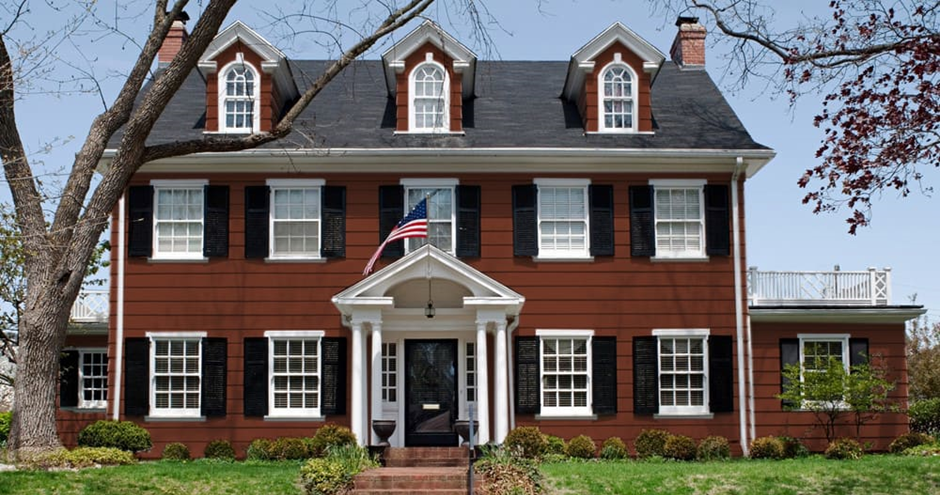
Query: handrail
[(91, 306), (850, 288)]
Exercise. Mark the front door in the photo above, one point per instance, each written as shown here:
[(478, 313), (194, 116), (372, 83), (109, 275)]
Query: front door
[(430, 392)]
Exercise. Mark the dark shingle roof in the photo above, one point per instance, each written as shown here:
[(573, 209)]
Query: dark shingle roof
[(518, 104)]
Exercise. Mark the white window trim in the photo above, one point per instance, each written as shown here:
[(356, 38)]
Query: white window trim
[(294, 413), (170, 412), (634, 98), (698, 184), (445, 128), (825, 337), (567, 412), (94, 404), (256, 97), (293, 184), (559, 255), (158, 184), (408, 184), (677, 333)]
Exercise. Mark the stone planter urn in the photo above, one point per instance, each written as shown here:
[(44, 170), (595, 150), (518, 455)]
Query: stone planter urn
[(462, 426), (383, 428)]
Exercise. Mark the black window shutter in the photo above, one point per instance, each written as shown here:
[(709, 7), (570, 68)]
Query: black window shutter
[(215, 243), (525, 222), (720, 374), (642, 228), (604, 374), (645, 375), (140, 221), (717, 229), (136, 377), (602, 220), (468, 222), (257, 207), (333, 393), (528, 382), (858, 352), (256, 377), (391, 211), (68, 379), (333, 238), (789, 354), (214, 376)]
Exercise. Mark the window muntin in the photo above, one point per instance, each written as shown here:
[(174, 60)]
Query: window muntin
[(389, 372), (239, 98), (295, 222), (441, 221), (617, 108), (565, 371), (429, 97), (471, 360), (815, 353), (178, 222), (295, 376), (683, 375), (563, 221), (680, 222), (177, 376), (93, 379)]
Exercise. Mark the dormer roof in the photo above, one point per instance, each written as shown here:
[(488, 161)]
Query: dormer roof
[(582, 61), (428, 32)]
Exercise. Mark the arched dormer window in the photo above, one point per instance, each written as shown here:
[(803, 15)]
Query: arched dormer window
[(617, 98), (239, 98), (429, 102)]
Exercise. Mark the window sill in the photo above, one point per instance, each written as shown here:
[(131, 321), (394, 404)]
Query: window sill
[(177, 260), (680, 259), (169, 419), (618, 132), (277, 417), (429, 133), (295, 260), (563, 259), (684, 416), (85, 410), (230, 131), (585, 417)]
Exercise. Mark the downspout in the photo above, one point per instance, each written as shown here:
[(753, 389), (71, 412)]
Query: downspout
[(119, 337), (512, 396), (738, 306)]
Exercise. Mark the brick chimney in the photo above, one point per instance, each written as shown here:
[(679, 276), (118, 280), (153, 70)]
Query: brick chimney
[(174, 40), (688, 49)]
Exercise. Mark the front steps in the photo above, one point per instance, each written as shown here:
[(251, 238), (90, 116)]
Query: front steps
[(418, 471), (427, 457)]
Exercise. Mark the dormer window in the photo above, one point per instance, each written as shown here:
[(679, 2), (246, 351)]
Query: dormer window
[(617, 98), (238, 98), (429, 98)]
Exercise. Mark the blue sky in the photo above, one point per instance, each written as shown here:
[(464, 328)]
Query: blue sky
[(782, 233)]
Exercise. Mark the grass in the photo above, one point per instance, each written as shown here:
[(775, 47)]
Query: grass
[(160, 478), (872, 475)]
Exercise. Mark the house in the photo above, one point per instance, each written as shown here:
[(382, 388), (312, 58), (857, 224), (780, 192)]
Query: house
[(585, 271)]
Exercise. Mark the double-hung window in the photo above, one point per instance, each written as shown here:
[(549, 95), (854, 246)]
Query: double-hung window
[(563, 215), (565, 366), (239, 92), (93, 379), (816, 353), (178, 220), (295, 218), (441, 213), (429, 98), (176, 361), (679, 216), (683, 371), (617, 97), (295, 360)]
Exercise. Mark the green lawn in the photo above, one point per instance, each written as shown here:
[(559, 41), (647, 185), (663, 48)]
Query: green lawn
[(872, 475)]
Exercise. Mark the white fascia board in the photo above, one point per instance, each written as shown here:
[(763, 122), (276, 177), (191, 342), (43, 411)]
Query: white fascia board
[(239, 30), (581, 61), (464, 59), (873, 315)]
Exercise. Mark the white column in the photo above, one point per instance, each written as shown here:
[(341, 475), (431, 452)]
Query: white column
[(376, 376), (358, 409), (501, 397), (483, 386)]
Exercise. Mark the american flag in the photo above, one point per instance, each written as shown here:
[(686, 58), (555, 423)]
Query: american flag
[(415, 224)]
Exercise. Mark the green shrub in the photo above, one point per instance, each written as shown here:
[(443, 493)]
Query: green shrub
[(650, 443), (528, 441), (680, 448), (713, 448), (324, 476), (176, 452), (353, 458), (925, 416), (290, 449), (793, 448), (766, 448), (259, 450), (926, 450), (613, 449), (908, 440), (554, 445), (219, 449), (81, 457), (844, 448), (329, 435), (6, 418), (501, 471), (582, 447), (123, 435)]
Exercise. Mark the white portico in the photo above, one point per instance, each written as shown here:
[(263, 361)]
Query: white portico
[(429, 316)]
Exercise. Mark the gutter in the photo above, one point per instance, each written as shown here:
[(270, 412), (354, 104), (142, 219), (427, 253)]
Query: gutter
[(119, 338), (738, 305)]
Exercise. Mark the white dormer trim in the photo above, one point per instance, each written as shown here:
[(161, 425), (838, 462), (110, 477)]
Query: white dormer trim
[(634, 98), (255, 97), (445, 118), (429, 32)]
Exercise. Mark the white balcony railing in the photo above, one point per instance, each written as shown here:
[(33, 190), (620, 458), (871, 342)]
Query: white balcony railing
[(862, 288), (91, 306)]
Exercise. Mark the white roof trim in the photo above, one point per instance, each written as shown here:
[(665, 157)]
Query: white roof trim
[(273, 61), (428, 31), (874, 315)]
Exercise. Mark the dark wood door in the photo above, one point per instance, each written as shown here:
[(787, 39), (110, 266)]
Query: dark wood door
[(430, 392)]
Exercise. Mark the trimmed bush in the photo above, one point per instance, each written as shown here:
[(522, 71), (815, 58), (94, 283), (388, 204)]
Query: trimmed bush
[(713, 448), (329, 435), (680, 448), (554, 445), (766, 448), (925, 416), (123, 435), (501, 471), (81, 457), (528, 441), (614, 449), (324, 476), (844, 448), (259, 450), (908, 440), (793, 448), (926, 450), (219, 449), (290, 449), (582, 447), (176, 452), (650, 443), (6, 418)]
